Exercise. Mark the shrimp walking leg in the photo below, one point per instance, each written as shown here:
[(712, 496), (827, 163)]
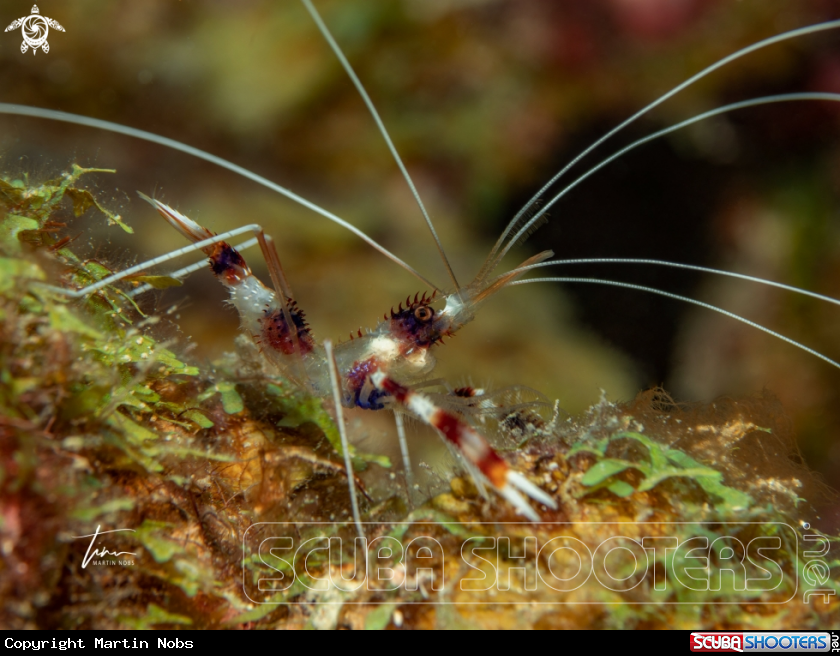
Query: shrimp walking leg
[(406, 456), (342, 429)]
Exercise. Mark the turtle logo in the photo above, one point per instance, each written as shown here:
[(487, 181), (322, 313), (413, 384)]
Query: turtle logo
[(34, 29)]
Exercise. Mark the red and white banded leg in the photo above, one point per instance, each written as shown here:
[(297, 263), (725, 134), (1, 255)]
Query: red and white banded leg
[(507, 482)]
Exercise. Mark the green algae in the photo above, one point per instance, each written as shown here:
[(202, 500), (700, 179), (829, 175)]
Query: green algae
[(661, 464)]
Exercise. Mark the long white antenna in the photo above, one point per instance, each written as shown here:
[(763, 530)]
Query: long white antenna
[(766, 100), (366, 98), (688, 267), (99, 124), (792, 34), (677, 297)]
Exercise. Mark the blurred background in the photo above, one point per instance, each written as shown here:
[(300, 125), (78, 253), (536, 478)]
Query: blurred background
[(486, 100)]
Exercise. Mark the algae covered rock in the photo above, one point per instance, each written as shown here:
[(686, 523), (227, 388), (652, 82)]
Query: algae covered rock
[(140, 489)]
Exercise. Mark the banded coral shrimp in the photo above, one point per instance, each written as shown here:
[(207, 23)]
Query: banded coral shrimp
[(497, 368)]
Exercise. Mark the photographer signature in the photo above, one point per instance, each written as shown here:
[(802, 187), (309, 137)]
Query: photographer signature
[(102, 553)]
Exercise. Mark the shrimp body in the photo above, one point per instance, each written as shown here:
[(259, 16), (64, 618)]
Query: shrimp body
[(400, 343), (376, 369)]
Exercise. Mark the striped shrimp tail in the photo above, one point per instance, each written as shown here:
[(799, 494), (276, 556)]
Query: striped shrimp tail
[(228, 265), (183, 224)]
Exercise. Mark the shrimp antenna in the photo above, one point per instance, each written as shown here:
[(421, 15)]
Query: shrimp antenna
[(680, 265), (366, 98), (493, 261), (677, 297), (792, 34), (108, 126)]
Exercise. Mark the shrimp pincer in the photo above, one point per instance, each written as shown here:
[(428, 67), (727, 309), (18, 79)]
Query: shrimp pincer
[(376, 369)]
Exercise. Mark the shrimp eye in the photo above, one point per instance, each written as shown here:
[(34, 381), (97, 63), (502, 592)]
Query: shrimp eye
[(424, 313)]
